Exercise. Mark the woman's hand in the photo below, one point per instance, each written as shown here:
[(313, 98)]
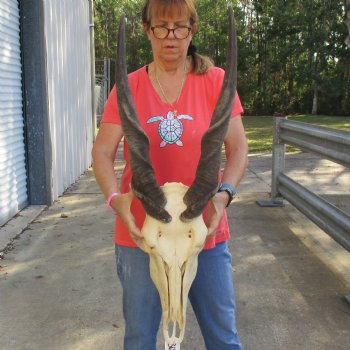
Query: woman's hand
[(121, 205), (216, 208)]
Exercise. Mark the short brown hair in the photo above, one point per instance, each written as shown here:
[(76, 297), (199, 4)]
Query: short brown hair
[(163, 7), (200, 63)]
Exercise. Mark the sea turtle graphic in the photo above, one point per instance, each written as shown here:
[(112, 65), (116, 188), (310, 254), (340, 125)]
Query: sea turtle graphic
[(170, 128)]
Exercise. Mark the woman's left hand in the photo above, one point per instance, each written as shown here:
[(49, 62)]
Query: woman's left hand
[(216, 208)]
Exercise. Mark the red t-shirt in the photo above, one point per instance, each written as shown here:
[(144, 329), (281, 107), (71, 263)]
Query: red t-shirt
[(174, 141)]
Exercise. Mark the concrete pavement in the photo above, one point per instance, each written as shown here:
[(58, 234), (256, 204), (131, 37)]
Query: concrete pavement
[(59, 291)]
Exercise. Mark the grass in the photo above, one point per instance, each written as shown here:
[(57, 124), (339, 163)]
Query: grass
[(259, 129)]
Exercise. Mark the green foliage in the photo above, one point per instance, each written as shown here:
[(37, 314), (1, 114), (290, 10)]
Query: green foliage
[(292, 55), (107, 16)]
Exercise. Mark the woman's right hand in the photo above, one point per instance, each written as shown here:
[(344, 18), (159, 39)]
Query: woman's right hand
[(121, 205)]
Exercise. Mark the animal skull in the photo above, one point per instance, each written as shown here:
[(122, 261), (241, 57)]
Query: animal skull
[(173, 248)]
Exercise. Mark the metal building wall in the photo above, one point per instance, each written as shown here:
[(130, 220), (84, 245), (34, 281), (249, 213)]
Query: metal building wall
[(69, 89), (13, 177)]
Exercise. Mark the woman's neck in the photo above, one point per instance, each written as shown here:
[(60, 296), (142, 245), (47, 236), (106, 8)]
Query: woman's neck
[(168, 81), (168, 69)]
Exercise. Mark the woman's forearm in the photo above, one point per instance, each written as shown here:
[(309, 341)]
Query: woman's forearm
[(236, 150), (103, 168), (236, 164), (103, 155)]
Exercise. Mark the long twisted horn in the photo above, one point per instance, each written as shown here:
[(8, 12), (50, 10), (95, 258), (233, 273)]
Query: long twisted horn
[(143, 182), (205, 184)]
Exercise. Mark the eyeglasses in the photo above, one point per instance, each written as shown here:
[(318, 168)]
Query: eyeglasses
[(161, 32)]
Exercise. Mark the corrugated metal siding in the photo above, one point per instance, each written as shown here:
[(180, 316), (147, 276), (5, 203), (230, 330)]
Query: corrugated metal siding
[(69, 88), (13, 184)]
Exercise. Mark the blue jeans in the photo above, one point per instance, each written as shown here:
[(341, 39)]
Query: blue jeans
[(211, 296)]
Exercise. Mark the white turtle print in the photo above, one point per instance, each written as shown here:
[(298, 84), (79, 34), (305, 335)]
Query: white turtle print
[(170, 128)]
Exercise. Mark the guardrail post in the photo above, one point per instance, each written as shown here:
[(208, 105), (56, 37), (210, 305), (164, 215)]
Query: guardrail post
[(278, 151)]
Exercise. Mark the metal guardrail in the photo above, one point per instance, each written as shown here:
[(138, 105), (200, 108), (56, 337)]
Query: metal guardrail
[(329, 143)]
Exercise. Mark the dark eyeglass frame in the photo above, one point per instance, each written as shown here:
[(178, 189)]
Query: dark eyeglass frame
[(172, 30)]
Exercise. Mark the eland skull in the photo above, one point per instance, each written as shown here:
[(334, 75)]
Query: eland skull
[(174, 231), (173, 248)]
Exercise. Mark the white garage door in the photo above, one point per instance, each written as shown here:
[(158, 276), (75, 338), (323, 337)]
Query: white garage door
[(13, 182)]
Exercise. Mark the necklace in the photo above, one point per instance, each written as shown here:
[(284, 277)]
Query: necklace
[(173, 105)]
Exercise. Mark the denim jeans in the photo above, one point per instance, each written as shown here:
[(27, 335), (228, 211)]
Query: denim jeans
[(211, 296)]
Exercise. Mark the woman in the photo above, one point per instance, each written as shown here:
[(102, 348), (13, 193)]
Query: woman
[(179, 83)]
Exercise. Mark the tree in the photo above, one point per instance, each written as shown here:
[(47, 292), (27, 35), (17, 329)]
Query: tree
[(292, 53)]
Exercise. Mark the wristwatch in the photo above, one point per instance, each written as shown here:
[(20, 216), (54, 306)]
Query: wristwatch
[(230, 190)]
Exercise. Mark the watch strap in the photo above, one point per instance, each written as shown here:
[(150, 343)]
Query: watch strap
[(230, 190)]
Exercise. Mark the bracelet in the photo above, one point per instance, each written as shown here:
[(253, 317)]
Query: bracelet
[(110, 197)]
